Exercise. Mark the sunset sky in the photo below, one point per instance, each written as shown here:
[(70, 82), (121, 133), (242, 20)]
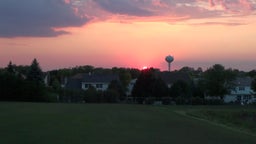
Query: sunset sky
[(128, 33)]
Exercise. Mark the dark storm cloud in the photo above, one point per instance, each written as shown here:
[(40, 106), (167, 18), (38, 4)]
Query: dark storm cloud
[(179, 9), (36, 18), (127, 7)]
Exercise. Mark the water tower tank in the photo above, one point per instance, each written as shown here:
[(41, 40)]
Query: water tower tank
[(169, 59)]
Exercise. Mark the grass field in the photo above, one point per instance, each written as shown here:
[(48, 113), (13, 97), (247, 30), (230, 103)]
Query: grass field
[(236, 117), (34, 123)]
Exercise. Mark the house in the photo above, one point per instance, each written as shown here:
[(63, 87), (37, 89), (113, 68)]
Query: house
[(74, 82), (100, 82), (83, 81), (241, 92)]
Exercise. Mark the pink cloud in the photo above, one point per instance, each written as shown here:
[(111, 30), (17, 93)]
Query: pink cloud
[(212, 4), (247, 4), (239, 6)]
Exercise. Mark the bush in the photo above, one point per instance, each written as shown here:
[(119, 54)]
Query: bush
[(111, 96), (150, 100), (180, 100), (68, 95), (166, 101), (197, 101), (214, 102)]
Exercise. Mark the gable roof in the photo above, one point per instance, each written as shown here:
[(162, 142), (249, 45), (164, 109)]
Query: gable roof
[(99, 78), (75, 82), (243, 81)]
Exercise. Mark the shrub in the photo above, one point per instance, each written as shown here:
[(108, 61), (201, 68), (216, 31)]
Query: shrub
[(197, 101)]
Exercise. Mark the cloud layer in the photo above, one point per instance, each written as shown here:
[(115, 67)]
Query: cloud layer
[(36, 18), (189, 8), (40, 17)]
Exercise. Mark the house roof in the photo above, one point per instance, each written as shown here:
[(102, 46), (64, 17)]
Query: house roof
[(75, 81), (172, 77), (99, 78), (243, 81)]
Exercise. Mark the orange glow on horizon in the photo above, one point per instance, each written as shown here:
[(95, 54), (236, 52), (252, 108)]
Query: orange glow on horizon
[(144, 67), (109, 44)]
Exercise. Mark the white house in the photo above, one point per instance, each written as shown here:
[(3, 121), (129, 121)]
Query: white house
[(83, 81), (241, 92)]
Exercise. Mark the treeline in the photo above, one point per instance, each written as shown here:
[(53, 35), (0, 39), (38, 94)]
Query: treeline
[(215, 82), (115, 93), (151, 87), (22, 83), (29, 83)]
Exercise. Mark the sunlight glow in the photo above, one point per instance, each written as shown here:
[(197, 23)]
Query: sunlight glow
[(144, 67)]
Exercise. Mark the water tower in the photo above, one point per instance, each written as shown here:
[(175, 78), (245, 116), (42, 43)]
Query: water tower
[(169, 59)]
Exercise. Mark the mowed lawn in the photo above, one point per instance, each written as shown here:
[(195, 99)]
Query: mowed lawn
[(38, 123)]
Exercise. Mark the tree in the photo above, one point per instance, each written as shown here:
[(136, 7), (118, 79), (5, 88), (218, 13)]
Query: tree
[(143, 85), (149, 85), (218, 80), (252, 73), (181, 92), (10, 68), (13, 88), (134, 73), (91, 95), (199, 88), (35, 73), (118, 88), (159, 89), (125, 78), (56, 84), (111, 96), (190, 71), (37, 91)]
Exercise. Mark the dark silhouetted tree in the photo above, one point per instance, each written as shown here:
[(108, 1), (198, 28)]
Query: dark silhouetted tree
[(37, 91), (35, 73), (149, 85), (252, 73), (218, 80), (125, 78), (91, 95), (116, 86), (10, 68), (56, 84), (181, 91)]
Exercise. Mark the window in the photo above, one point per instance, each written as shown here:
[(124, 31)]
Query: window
[(86, 85), (99, 85)]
